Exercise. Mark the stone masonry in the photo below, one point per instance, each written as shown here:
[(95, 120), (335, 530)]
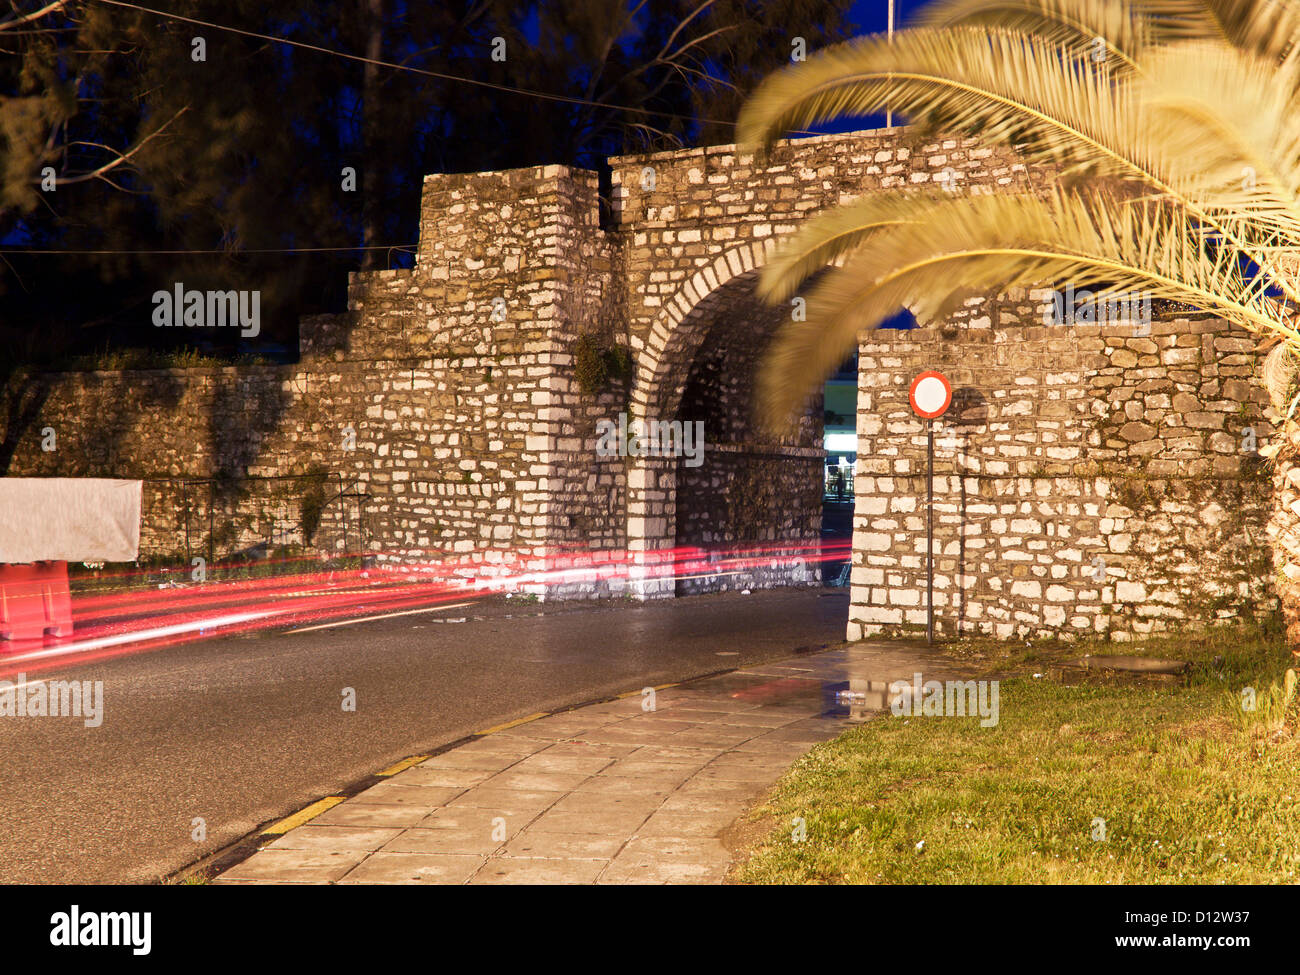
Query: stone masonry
[(445, 414), (1088, 479)]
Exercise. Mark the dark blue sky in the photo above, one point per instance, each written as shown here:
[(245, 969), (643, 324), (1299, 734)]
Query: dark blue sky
[(872, 17)]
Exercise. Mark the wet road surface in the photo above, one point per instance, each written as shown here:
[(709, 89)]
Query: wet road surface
[(239, 732)]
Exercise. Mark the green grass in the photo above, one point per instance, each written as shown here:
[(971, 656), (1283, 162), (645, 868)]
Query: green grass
[(151, 572), (113, 360), (1192, 790)]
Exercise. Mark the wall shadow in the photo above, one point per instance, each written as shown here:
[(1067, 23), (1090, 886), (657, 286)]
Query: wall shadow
[(968, 417)]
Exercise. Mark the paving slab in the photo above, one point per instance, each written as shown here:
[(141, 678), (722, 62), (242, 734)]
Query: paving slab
[(451, 778), (334, 839), (520, 870), (371, 814), (673, 772), (523, 781), (547, 762), (506, 802), (471, 819), (463, 758), (393, 792), (582, 802), (414, 868), (471, 840), (609, 793), (696, 823), (630, 785), (563, 846), (607, 821), (295, 866)]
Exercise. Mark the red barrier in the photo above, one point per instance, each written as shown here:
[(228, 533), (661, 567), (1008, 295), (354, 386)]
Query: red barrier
[(34, 598)]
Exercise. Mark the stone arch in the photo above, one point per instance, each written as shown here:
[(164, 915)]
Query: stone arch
[(675, 334), (703, 326)]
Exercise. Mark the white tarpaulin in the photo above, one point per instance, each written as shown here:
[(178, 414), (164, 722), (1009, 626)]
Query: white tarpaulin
[(72, 519)]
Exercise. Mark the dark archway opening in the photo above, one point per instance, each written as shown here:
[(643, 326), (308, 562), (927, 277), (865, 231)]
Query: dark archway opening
[(840, 440), (751, 503)]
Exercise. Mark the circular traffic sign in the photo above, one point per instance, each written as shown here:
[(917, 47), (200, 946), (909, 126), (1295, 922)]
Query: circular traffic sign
[(930, 395)]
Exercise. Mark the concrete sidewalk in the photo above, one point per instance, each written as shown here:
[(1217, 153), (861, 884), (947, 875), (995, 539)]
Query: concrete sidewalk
[(610, 793)]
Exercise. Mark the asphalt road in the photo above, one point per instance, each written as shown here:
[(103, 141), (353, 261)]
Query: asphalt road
[(243, 731)]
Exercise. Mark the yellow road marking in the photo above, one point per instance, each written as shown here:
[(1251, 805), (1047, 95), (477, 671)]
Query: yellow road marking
[(403, 765), (302, 816), (513, 724)]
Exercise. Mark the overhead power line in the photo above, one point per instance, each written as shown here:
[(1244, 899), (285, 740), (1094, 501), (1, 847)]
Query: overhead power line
[(440, 75), (220, 250)]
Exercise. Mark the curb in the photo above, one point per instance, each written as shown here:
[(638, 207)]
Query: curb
[(218, 862)]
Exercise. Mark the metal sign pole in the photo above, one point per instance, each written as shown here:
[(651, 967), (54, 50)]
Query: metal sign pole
[(889, 115), (930, 396), (929, 535)]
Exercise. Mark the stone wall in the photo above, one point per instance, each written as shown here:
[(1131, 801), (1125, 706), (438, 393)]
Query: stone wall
[(445, 402), (443, 397), (1087, 479)]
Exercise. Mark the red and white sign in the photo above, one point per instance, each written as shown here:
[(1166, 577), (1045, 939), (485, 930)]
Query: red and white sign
[(930, 395)]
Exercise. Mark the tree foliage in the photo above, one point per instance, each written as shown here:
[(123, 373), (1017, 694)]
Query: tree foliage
[(244, 152)]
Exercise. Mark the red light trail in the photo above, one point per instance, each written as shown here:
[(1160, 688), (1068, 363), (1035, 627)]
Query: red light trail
[(129, 617)]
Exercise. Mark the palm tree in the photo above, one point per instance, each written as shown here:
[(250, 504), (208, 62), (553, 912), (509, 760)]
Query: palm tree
[(1174, 125)]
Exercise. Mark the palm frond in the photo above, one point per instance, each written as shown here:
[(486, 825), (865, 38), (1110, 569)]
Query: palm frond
[(1197, 117), (1279, 373), (827, 237), (1233, 120), (1073, 24), (1267, 28), (1053, 107), (1005, 84), (986, 244)]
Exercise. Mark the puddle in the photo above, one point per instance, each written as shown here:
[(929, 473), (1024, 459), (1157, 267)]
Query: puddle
[(782, 690), (856, 699)]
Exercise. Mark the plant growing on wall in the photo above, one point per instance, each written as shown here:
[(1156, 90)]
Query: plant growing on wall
[(313, 501), (1175, 126), (597, 363)]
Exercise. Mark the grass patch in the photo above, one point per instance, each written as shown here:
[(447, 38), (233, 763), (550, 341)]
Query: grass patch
[(1191, 788), (185, 357), (160, 572)]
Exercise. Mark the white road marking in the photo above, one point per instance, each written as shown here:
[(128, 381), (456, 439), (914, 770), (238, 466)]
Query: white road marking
[(384, 616), (136, 636)]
